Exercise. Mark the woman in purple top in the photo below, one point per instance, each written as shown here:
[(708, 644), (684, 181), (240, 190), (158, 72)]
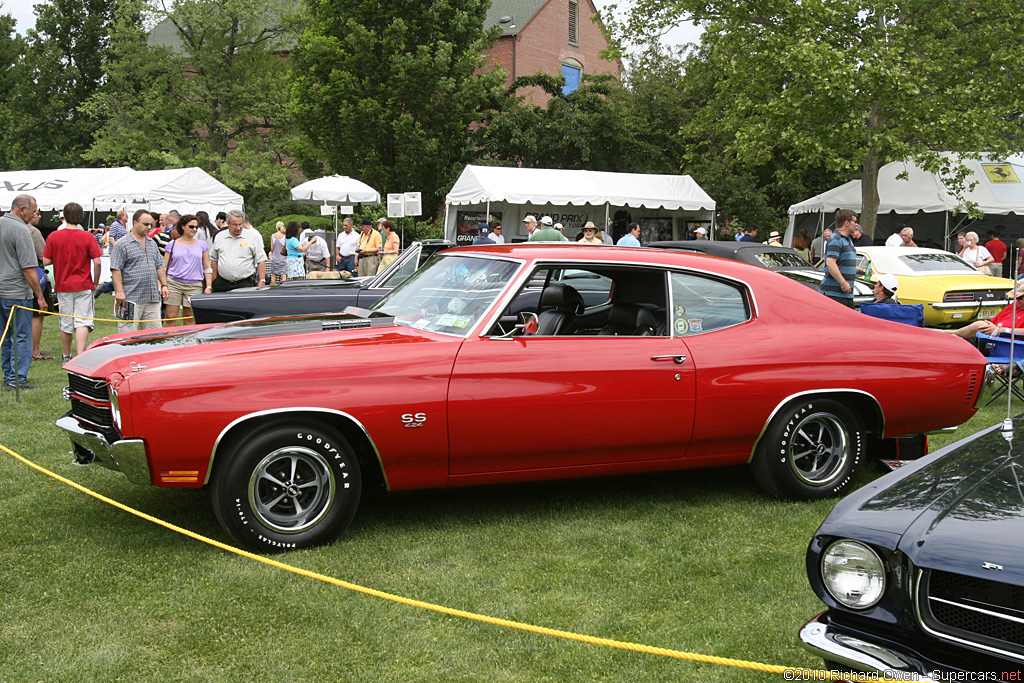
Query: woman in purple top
[(188, 269)]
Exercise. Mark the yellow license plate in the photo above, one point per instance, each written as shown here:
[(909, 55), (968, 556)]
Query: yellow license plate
[(987, 313)]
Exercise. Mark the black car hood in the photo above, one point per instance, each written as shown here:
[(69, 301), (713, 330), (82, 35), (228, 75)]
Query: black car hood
[(961, 508)]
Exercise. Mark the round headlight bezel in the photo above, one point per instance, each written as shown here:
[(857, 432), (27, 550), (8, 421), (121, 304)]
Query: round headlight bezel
[(851, 559)]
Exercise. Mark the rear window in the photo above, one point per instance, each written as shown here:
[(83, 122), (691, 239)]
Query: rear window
[(780, 259), (924, 263)]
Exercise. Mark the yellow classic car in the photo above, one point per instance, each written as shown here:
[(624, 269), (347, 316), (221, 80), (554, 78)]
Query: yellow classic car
[(952, 290)]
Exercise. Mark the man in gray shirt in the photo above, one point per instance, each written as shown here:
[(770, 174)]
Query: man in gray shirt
[(19, 284)]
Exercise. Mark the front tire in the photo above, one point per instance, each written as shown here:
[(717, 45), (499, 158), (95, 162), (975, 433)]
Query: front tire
[(287, 488), (812, 449)]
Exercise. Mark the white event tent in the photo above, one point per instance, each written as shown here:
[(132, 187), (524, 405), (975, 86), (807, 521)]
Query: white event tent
[(663, 201), (186, 189), (923, 201)]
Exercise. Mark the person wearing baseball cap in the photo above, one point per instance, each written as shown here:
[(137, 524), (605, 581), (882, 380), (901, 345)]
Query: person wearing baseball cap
[(548, 232), (885, 288), (701, 234), (530, 222)]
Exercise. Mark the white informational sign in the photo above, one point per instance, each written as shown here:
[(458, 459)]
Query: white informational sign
[(346, 208), (328, 210), (413, 204), (396, 205)]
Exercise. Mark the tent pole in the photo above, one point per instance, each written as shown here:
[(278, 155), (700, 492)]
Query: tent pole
[(606, 205), (444, 228)]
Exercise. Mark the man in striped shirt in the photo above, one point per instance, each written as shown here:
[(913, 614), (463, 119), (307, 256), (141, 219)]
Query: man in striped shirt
[(841, 260)]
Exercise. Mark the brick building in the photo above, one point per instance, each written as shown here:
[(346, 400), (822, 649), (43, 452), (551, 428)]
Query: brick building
[(555, 37)]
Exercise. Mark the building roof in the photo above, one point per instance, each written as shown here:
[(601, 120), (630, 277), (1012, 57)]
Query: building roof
[(520, 10)]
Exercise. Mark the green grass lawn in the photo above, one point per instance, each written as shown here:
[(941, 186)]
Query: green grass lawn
[(699, 561)]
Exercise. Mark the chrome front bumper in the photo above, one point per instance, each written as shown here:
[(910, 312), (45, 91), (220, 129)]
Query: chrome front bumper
[(819, 637), (127, 456)]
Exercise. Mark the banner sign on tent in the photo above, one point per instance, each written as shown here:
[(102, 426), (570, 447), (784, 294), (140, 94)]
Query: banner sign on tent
[(466, 222)]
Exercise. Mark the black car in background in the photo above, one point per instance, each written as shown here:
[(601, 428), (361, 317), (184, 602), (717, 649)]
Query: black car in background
[(782, 260), (298, 297), (923, 570)]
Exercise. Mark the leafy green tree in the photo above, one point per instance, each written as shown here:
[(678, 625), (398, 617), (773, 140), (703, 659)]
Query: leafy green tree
[(61, 67), (849, 85), (209, 88), (12, 48), (388, 92)]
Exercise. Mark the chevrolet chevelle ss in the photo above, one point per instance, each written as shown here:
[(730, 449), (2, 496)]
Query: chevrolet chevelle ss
[(613, 360), (922, 570)]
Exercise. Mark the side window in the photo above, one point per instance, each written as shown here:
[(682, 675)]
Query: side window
[(596, 289), (701, 304), (408, 267)]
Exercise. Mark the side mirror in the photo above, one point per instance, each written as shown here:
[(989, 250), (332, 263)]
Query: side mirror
[(528, 324)]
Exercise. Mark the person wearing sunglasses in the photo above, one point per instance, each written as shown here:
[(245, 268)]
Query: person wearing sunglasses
[(188, 269)]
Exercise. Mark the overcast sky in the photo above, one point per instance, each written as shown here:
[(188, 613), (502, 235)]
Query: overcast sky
[(22, 11)]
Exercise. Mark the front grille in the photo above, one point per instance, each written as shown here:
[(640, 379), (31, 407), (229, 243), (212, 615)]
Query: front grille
[(980, 612), (90, 404), (96, 389)]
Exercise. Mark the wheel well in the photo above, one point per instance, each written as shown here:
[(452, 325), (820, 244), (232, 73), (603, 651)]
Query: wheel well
[(373, 475), (864, 405)]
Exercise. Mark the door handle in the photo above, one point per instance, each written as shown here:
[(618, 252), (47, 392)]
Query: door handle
[(679, 359)]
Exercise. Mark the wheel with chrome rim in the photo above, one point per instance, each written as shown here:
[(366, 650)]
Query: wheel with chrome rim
[(286, 488), (812, 449)]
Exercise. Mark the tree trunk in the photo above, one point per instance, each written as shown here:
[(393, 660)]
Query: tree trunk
[(869, 194)]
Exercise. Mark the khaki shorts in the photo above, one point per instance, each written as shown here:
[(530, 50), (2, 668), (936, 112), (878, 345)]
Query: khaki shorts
[(181, 293), (79, 304)]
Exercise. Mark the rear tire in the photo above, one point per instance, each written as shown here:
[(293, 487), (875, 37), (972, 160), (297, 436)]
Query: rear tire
[(812, 449), (287, 488)]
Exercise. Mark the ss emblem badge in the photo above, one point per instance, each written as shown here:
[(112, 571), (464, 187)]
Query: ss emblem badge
[(414, 419)]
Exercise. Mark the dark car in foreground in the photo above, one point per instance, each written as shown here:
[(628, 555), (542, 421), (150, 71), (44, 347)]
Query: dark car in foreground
[(300, 297), (923, 570), (782, 260)]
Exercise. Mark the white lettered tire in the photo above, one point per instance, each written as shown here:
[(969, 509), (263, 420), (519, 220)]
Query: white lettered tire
[(812, 449), (286, 488)]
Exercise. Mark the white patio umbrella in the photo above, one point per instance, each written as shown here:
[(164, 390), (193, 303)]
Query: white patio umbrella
[(334, 190)]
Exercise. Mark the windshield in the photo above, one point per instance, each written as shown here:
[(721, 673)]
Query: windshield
[(781, 259), (448, 294), (925, 263)]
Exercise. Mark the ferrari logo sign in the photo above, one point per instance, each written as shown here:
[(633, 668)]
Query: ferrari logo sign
[(1000, 173)]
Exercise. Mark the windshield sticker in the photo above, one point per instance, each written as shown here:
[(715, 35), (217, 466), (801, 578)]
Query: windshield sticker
[(681, 326), (421, 324), (680, 311), (446, 320), (696, 324), (462, 322)]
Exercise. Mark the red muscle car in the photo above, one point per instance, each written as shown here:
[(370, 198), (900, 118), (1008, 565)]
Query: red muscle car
[(613, 359)]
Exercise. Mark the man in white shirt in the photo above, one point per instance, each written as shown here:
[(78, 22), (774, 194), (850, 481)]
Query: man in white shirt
[(346, 246), (496, 234), (896, 239)]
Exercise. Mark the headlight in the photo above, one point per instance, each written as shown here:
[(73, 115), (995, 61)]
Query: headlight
[(115, 408), (853, 574)]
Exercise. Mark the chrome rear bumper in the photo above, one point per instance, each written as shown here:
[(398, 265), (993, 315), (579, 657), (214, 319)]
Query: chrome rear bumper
[(127, 456)]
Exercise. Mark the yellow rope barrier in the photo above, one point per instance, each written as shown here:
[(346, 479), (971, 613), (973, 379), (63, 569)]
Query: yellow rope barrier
[(792, 673)]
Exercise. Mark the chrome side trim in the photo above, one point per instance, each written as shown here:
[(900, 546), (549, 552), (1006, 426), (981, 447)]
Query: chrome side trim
[(127, 456), (797, 395), (818, 638), (277, 411), (919, 597)]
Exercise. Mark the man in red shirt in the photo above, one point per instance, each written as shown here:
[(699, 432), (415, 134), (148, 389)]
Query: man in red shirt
[(71, 250), (997, 248)]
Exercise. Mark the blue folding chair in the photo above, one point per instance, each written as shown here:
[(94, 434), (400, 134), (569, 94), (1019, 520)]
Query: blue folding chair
[(909, 314), (997, 351)]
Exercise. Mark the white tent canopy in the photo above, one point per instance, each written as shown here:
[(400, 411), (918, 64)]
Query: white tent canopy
[(186, 189), (517, 191), (481, 184), (335, 190), (53, 188), (921, 192)]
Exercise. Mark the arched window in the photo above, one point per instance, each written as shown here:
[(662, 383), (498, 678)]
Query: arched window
[(572, 70)]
